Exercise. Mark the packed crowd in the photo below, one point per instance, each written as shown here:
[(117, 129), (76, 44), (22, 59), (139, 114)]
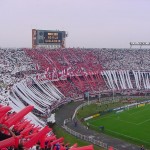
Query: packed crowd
[(65, 62), (49, 78), (123, 59), (14, 66), (81, 66)]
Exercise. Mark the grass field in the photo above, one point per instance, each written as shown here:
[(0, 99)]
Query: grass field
[(132, 125)]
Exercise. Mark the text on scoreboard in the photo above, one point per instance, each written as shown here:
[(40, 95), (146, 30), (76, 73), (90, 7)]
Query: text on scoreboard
[(53, 37)]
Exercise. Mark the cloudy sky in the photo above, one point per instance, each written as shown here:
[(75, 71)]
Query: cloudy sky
[(89, 23)]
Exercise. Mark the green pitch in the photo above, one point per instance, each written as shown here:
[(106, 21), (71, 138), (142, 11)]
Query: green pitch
[(132, 125)]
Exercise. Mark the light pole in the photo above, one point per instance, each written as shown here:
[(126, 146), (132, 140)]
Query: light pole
[(99, 94), (113, 93), (88, 98)]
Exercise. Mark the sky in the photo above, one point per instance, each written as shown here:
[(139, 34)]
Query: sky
[(89, 23)]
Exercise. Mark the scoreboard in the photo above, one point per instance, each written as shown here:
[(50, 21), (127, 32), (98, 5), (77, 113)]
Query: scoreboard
[(52, 37), (49, 38)]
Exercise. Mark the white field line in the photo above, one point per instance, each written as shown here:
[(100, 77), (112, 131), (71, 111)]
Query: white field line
[(138, 111), (118, 119), (129, 136), (143, 122), (124, 120), (124, 135)]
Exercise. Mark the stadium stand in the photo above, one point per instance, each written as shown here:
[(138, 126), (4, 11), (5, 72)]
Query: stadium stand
[(46, 79)]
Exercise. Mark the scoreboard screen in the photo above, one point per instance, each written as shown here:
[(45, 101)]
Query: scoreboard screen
[(48, 38), (52, 37)]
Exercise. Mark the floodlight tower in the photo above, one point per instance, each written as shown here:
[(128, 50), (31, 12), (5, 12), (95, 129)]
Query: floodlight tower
[(139, 44)]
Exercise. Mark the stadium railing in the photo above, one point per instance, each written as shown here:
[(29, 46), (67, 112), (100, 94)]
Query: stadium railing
[(84, 137)]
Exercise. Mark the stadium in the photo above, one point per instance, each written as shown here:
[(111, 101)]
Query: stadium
[(96, 95)]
